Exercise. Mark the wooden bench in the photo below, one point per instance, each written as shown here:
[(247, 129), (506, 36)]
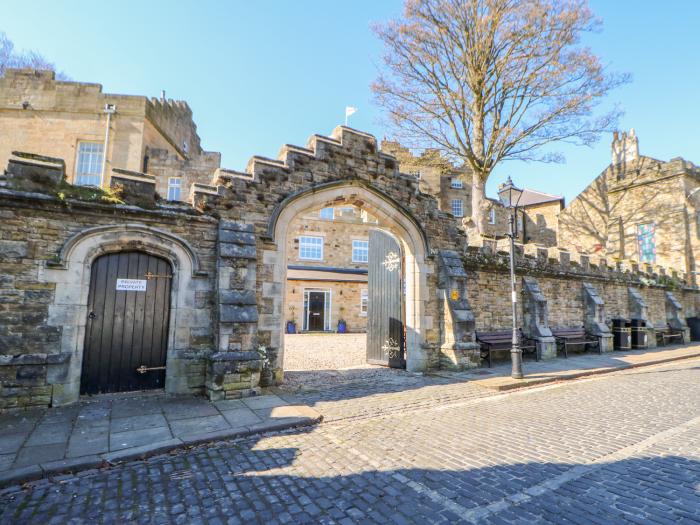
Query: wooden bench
[(566, 337), (666, 333), (502, 340)]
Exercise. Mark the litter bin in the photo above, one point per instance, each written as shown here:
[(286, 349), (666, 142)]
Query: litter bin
[(621, 334), (638, 334), (694, 325)]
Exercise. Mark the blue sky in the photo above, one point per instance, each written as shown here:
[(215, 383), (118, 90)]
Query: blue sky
[(264, 73)]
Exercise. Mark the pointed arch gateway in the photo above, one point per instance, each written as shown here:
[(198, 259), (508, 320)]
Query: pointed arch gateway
[(392, 218)]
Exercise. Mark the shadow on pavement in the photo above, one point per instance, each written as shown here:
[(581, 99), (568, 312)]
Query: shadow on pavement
[(241, 482)]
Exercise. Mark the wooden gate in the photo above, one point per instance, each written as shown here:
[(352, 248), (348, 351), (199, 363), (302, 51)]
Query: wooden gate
[(385, 326), (126, 336)]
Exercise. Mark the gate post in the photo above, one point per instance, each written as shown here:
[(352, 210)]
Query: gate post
[(458, 350), (234, 370), (536, 319), (594, 317)]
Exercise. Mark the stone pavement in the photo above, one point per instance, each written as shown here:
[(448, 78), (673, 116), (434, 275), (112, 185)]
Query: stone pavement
[(616, 448), (111, 428), (577, 365)]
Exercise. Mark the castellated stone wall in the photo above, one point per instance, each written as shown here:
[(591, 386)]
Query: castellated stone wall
[(561, 281), (229, 254), (42, 325)]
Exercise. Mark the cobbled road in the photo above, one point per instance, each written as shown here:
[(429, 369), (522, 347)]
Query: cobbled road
[(619, 448)]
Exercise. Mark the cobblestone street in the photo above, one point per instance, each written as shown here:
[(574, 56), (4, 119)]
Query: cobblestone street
[(623, 447)]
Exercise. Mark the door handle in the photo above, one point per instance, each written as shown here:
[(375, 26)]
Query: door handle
[(92, 315)]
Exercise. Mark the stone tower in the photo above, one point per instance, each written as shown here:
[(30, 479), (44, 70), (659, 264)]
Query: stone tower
[(625, 148)]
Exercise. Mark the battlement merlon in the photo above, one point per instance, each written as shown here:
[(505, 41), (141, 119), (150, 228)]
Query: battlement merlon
[(343, 140)]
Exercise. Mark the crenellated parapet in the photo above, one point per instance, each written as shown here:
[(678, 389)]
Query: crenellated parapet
[(553, 261)]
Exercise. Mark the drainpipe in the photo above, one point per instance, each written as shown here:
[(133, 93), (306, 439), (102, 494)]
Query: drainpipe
[(109, 110)]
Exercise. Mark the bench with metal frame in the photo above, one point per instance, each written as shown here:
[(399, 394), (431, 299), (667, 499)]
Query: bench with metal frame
[(502, 340), (665, 333), (575, 336)]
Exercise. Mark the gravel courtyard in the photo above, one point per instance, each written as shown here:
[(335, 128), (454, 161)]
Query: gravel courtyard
[(324, 351)]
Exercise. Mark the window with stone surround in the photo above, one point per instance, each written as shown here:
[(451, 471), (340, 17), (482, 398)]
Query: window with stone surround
[(311, 248), (492, 216), (456, 184), (174, 186), (327, 214), (457, 208), (360, 251), (88, 167), (364, 301)]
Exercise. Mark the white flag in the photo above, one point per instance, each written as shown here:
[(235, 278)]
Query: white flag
[(349, 110)]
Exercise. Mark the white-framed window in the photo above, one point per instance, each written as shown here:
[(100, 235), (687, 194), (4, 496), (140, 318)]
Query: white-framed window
[(457, 208), (88, 166), (456, 184), (364, 301), (415, 173), (311, 248), (360, 251), (492, 216), (174, 187), (327, 214)]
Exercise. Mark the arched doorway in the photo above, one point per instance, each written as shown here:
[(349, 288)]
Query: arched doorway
[(391, 218), (126, 335)]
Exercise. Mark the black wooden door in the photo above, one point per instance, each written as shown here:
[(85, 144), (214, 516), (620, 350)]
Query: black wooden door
[(317, 310), (385, 327), (126, 335)]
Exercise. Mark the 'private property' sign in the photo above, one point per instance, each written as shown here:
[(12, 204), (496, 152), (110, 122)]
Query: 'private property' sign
[(132, 285)]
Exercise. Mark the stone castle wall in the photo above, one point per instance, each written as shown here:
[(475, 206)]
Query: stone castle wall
[(489, 294), (229, 255), (41, 327)]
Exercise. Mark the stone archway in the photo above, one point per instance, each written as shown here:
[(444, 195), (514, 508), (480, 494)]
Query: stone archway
[(391, 217), (71, 275)]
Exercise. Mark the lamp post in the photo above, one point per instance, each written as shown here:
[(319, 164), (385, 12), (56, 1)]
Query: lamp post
[(509, 196)]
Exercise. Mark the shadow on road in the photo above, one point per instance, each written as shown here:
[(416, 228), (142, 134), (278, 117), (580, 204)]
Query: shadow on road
[(253, 481)]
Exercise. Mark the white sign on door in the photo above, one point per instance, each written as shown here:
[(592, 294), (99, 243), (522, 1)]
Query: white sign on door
[(132, 285)]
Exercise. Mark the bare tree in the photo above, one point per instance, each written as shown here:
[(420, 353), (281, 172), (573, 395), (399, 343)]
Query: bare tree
[(9, 58), (492, 80)]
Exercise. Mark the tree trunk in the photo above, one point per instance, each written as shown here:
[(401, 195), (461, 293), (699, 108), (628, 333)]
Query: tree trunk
[(479, 204)]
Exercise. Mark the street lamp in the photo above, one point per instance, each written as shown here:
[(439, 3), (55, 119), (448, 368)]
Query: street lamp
[(510, 197)]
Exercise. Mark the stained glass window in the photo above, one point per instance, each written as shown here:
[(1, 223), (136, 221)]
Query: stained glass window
[(647, 243)]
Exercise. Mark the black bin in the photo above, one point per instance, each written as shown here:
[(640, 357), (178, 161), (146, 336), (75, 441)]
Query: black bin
[(621, 334), (639, 334), (694, 325)]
